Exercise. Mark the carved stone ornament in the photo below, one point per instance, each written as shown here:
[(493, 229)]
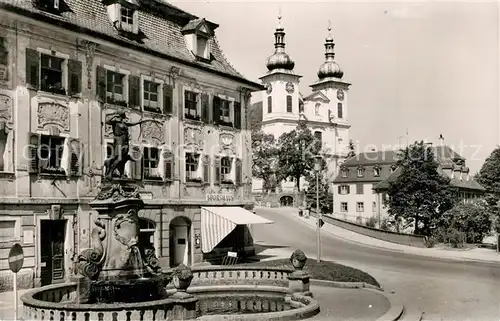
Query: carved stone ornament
[(226, 142), (5, 107), (117, 193), (193, 136), (290, 88), (90, 48), (152, 131), (89, 262), (269, 88), (53, 113)]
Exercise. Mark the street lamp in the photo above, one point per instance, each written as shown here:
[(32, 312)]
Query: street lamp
[(317, 169)]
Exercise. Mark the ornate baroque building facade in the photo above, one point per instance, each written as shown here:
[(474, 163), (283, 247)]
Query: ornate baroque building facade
[(325, 110), (65, 66)]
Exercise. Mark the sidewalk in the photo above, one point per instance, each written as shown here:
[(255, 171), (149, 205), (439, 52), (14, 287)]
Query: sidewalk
[(474, 255)]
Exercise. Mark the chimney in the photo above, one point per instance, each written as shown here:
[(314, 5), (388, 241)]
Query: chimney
[(441, 140)]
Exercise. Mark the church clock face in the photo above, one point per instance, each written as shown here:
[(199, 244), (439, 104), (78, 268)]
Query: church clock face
[(340, 94), (269, 88), (289, 87)]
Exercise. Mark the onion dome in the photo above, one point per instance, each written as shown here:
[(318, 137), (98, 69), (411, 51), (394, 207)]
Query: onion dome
[(329, 68), (280, 59)]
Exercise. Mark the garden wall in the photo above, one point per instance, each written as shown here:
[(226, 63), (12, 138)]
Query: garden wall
[(389, 236)]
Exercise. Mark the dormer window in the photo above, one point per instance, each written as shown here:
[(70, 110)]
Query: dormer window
[(361, 172), (127, 16), (197, 34)]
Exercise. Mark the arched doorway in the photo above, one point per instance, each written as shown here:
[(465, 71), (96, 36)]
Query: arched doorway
[(286, 201), (180, 241)]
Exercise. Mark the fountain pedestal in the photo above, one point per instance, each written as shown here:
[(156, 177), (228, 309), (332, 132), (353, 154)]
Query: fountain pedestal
[(115, 262)]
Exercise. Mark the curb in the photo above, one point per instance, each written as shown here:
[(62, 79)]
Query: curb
[(394, 313), (440, 258), (346, 285)]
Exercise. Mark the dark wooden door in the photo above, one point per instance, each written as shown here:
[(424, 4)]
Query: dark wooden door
[(52, 251)]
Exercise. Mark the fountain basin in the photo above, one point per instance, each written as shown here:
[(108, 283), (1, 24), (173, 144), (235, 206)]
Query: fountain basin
[(57, 302), (128, 290)]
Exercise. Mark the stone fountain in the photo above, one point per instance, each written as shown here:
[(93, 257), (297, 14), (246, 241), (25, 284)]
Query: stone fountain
[(117, 268), (118, 278)]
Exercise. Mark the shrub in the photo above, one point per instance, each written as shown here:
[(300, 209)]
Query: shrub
[(371, 222), (429, 241), (385, 224)]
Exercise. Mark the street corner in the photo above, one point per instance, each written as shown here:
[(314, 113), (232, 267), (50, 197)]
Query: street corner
[(355, 303)]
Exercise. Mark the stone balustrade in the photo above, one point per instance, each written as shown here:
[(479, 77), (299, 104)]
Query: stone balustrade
[(240, 275), (56, 302)]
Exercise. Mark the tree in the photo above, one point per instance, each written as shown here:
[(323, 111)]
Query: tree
[(352, 149), (419, 193), (325, 195), (489, 178), (264, 153), (473, 221), (296, 153)]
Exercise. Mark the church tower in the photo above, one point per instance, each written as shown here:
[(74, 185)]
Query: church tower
[(281, 99), (326, 109)]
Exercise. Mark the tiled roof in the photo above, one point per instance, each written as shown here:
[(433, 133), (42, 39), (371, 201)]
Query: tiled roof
[(471, 184), (159, 22), (368, 175)]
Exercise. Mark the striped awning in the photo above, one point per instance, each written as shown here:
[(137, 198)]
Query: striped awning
[(218, 222)]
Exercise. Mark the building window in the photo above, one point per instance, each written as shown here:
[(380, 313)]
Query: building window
[(51, 71), (7, 231), (51, 151), (191, 105), (151, 101), (3, 150), (361, 172), (109, 154), (225, 112), (151, 163), (289, 104), (374, 206), (192, 166), (318, 137), (343, 207), (376, 172), (301, 106), (269, 104), (225, 168), (360, 207), (115, 88), (359, 188), (127, 16), (344, 190), (345, 173), (340, 110), (202, 47), (147, 231), (393, 168)]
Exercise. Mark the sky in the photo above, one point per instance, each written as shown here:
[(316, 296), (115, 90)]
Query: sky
[(417, 69)]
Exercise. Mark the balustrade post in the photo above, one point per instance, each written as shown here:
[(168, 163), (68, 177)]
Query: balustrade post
[(298, 280)]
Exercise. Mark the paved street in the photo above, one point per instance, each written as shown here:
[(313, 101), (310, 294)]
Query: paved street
[(442, 289)]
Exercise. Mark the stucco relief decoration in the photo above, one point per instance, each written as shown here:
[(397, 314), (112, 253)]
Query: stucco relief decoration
[(5, 109), (290, 87), (52, 113), (226, 142), (4, 61), (193, 136), (152, 132), (89, 60)]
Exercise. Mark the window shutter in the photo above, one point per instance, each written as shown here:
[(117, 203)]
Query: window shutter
[(32, 68), (33, 166), (74, 77), (237, 115), (216, 110), (134, 83), (169, 165), (167, 99), (101, 83), (206, 170), (239, 173), (75, 157), (348, 189), (204, 108), (340, 189), (137, 159), (217, 164)]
